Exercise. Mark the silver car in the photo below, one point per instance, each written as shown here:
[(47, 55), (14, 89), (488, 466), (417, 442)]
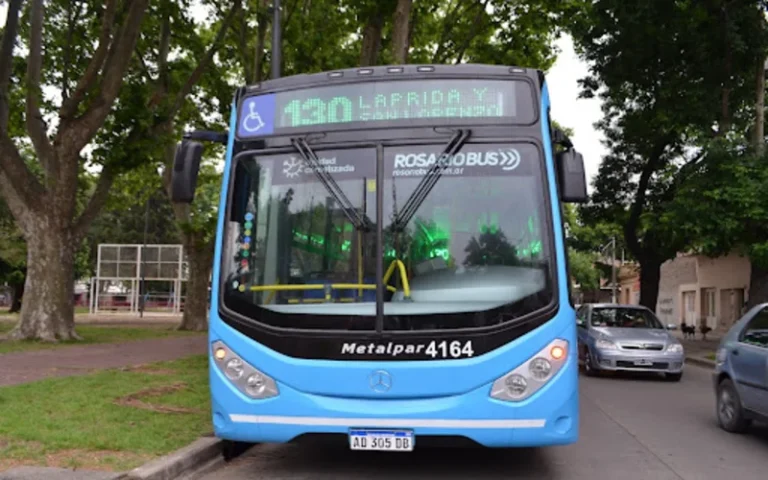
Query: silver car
[(627, 338)]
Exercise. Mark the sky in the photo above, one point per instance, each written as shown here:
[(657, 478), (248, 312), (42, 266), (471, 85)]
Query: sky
[(577, 114), (570, 111)]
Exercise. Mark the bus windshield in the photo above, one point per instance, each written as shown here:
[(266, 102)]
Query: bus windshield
[(471, 252)]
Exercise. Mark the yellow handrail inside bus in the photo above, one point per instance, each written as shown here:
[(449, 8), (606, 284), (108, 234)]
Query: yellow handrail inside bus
[(403, 276), (269, 288), (312, 286), (304, 287), (319, 300), (273, 289)]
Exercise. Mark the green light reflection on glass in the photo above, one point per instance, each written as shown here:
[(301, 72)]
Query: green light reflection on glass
[(319, 241)]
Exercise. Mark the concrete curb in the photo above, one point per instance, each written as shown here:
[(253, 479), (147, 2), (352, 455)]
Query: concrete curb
[(701, 362), (184, 461)]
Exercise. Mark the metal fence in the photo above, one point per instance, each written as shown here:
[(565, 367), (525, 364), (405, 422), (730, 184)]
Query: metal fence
[(139, 278)]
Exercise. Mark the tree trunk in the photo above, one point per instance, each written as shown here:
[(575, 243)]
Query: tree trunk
[(369, 52), (400, 31), (650, 275), (48, 312), (17, 293), (200, 258), (758, 285)]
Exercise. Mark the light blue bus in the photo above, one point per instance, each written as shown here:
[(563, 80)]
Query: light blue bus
[(390, 264)]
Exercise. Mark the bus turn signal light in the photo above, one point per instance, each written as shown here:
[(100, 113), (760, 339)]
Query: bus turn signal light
[(557, 352)]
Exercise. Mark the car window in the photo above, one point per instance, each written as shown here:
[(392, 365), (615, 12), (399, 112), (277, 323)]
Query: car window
[(581, 313), (756, 331), (624, 318)]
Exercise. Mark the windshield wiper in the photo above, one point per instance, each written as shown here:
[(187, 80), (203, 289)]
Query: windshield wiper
[(359, 221), (430, 179)]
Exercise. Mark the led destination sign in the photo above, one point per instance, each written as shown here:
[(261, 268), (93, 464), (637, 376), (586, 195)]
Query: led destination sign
[(390, 101)]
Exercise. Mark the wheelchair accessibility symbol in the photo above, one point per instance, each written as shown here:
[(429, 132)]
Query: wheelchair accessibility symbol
[(252, 122), (257, 116)]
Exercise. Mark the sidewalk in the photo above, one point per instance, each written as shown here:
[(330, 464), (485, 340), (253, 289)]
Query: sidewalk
[(23, 367), (697, 350)]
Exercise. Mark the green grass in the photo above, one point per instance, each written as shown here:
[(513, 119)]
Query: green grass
[(711, 356), (81, 421), (94, 334)]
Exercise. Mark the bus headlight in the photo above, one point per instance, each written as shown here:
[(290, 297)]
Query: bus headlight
[(234, 369), (534, 373), (247, 378), (516, 385), (540, 368)]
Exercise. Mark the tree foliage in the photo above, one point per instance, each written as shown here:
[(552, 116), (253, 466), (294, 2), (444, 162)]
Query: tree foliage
[(497, 32), (725, 204), (674, 77), (724, 207), (586, 242), (137, 200), (584, 272)]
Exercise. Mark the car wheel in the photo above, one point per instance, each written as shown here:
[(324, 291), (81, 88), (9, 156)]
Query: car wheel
[(730, 415), (674, 377)]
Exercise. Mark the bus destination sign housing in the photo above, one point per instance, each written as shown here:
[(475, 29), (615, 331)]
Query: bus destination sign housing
[(386, 102)]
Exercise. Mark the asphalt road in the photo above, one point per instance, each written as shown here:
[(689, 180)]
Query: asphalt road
[(632, 428)]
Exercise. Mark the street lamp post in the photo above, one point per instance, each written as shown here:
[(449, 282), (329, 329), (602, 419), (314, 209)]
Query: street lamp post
[(142, 284), (612, 244), (613, 270), (276, 39)]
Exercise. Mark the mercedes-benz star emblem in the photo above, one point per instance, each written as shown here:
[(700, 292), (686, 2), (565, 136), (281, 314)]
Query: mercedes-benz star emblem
[(380, 381)]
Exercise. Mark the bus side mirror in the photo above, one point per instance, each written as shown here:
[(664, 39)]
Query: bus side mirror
[(186, 166), (571, 176)]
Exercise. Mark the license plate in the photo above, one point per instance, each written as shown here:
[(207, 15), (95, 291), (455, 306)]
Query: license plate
[(643, 362), (381, 440)]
